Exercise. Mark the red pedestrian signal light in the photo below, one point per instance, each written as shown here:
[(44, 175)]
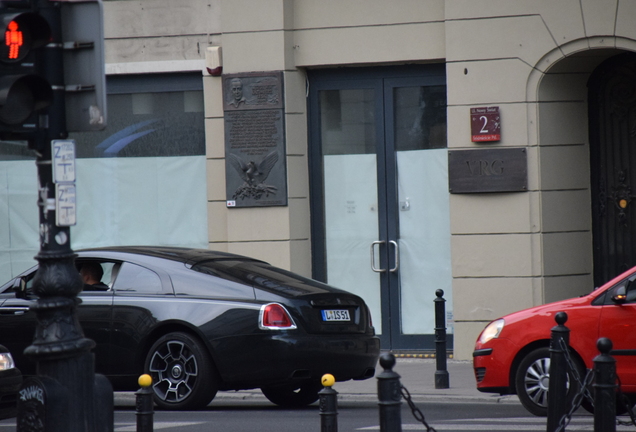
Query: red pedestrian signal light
[(22, 32), (13, 37), (24, 91)]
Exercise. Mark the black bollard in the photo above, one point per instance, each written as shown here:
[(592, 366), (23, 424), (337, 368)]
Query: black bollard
[(557, 387), (328, 405), (389, 395), (604, 388), (441, 374), (144, 405)]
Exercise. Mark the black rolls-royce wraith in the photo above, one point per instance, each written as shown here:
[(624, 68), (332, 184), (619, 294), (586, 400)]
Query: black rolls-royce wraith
[(200, 321)]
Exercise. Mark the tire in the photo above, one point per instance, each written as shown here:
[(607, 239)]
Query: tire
[(624, 403), (290, 397), (183, 375), (532, 381)]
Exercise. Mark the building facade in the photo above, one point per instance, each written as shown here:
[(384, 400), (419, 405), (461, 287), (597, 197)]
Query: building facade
[(359, 79), (391, 130)]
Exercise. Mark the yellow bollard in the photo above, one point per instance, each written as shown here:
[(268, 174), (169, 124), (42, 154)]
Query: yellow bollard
[(145, 408), (328, 404)]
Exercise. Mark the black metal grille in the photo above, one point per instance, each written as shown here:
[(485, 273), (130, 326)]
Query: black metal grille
[(480, 373), (612, 123)]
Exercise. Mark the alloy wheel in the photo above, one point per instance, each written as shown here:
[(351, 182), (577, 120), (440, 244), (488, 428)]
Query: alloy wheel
[(175, 371), (537, 380)]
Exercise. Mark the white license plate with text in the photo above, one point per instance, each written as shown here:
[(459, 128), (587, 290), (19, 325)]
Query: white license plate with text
[(336, 315)]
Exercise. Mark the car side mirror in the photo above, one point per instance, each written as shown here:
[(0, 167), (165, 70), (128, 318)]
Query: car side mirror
[(620, 296), (20, 288)]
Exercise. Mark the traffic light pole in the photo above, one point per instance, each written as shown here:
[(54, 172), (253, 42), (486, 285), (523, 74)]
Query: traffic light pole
[(66, 395)]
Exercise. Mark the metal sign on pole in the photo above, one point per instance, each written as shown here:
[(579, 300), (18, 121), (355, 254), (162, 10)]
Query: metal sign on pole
[(63, 161), (84, 70), (63, 154)]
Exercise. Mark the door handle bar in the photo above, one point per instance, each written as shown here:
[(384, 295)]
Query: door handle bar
[(373, 267), (396, 248), (14, 310)]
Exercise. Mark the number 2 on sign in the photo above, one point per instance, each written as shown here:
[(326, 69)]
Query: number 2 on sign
[(483, 127)]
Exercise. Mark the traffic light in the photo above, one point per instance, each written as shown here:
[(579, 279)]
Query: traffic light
[(23, 92), (84, 75)]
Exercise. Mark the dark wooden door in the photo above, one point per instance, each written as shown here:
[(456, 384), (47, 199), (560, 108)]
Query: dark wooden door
[(612, 125)]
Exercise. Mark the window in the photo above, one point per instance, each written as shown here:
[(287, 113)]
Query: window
[(142, 180), (149, 116), (103, 273), (136, 279)]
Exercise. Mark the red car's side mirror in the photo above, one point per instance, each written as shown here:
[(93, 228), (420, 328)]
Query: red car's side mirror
[(620, 296)]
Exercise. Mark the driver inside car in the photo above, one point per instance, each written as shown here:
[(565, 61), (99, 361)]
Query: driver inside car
[(92, 273)]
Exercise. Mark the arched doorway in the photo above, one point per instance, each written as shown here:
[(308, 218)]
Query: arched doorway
[(612, 128), (568, 170)]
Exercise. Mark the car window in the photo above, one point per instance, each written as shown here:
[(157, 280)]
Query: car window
[(106, 272), (262, 275), (7, 288), (132, 278), (630, 290)]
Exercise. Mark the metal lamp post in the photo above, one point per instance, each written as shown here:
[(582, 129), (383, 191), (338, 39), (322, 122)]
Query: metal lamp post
[(66, 395)]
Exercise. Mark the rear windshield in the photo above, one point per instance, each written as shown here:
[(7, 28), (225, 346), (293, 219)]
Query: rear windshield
[(263, 276)]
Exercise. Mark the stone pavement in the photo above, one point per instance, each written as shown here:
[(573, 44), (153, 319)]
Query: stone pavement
[(416, 374)]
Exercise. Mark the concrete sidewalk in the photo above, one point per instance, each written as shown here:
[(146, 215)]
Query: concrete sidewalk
[(416, 374)]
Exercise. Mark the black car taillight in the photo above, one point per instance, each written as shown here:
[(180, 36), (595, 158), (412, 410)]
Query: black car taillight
[(274, 316)]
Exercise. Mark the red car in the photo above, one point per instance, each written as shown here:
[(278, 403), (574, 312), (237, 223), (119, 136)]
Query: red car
[(512, 353)]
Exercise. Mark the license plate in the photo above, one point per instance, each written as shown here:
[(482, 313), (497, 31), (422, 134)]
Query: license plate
[(335, 315)]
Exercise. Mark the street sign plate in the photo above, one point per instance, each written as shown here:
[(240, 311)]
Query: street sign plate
[(63, 155), (65, 205)]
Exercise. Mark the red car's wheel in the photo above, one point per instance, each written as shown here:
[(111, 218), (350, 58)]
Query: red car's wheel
[(533, 378)]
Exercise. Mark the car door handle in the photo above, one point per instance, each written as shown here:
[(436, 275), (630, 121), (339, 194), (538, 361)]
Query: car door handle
[(396, 249), (373, 267), (13, 310)]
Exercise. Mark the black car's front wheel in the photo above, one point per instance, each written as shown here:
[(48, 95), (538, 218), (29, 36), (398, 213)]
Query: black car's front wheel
[(293, 397), (183, 375)]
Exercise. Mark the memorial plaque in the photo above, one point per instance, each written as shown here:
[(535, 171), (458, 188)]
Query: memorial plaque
[(255, 168), (488, 170), (253, 91)]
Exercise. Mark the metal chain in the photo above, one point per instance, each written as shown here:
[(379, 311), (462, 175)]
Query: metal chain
[(577, 401), (419, 416), (628, 405), (584, 386), (574, 373), (584, 391)]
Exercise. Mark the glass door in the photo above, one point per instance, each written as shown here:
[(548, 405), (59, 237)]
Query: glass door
[(380, 197)]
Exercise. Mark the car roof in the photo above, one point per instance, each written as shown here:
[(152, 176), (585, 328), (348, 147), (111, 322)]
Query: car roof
[(189, 256)]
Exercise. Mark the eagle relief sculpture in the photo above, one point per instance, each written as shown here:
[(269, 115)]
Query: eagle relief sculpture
[(254, 175)]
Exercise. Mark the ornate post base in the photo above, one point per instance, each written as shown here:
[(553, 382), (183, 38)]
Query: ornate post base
[(66, 395)]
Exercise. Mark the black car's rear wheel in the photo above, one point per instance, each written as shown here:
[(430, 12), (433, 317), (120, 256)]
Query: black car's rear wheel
[(293, 397), (183, 376)]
